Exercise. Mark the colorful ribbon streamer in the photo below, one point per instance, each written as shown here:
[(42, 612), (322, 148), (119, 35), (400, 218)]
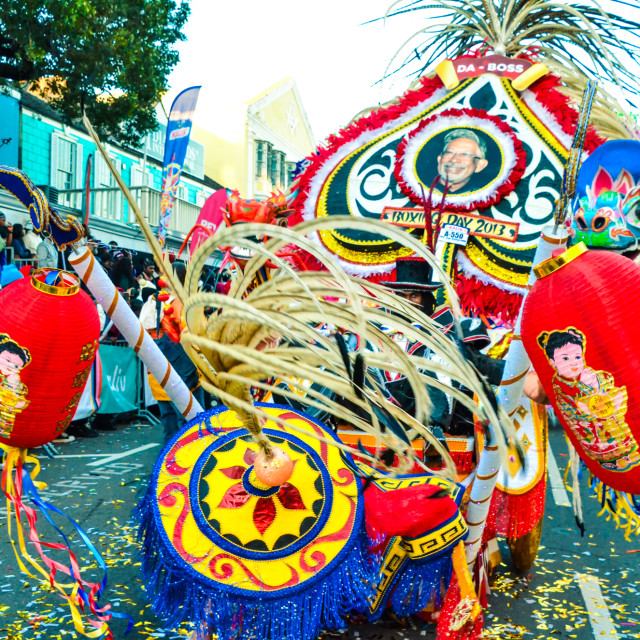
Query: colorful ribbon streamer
[(17, 483)]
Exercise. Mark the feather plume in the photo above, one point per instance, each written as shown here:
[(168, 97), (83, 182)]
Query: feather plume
[(608, 116), (575, 40), (261, 334), (547, 29)]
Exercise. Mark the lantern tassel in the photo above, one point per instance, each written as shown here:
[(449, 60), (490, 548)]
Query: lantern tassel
[(574, 462), (17, 483), (622, 508)]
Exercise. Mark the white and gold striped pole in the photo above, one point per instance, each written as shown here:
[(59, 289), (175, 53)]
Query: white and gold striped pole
[(509, 394), (518, 364), (104, 291)]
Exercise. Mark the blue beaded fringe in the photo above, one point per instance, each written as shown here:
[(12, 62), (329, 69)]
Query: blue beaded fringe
[(176, 597), (419, 584)]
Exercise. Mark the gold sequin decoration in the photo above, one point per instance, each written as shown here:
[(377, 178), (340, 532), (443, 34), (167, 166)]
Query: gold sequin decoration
[(81, 377), (484, 262), (88, 351)]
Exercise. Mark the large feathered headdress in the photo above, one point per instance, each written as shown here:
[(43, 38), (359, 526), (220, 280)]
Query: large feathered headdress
[(575, 40)]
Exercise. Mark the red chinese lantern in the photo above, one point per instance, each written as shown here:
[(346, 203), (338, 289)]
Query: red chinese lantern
[(579, 328), (49, 330)]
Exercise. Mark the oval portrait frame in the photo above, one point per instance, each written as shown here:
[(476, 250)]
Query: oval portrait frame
[(418, 155)]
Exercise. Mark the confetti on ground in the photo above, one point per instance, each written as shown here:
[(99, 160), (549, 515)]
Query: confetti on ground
[(545, 604)]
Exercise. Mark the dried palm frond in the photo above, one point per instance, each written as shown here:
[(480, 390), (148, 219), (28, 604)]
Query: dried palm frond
[(260, 335), (580, 36)]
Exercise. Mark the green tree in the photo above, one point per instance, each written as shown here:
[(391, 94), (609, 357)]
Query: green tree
[(112, 56)]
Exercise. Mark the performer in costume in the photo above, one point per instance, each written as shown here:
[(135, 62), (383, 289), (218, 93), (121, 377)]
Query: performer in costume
[(251, 342), (228, 365), (262, 589), (414, 283)]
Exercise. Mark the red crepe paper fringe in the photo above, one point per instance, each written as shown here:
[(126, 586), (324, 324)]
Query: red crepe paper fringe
[(504, 189), (514, 516), (559, 105), (476, 297), (376, 278), (299, 259), (463, 461), (470, 631), (480, 299)]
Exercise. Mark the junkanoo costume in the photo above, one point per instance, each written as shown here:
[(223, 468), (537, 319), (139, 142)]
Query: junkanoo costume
[(260, 522)]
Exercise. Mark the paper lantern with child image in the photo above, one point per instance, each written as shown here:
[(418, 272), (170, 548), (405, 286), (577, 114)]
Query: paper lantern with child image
[(579, 330), (49, 330)]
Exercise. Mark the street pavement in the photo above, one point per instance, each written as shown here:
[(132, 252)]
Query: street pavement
[(579, 588)]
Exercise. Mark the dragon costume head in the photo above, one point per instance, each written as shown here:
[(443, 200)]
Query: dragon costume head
[(605, 210)]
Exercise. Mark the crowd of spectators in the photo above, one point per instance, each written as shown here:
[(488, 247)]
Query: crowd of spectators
[(124, 268), (22, 246), (136, 276)]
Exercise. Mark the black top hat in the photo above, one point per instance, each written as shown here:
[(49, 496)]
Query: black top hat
[(412, 274)]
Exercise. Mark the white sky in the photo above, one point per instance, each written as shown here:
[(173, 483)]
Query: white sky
[(238, 49)]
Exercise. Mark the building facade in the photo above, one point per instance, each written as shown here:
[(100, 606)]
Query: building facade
[(253, 147), (54, 155)]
